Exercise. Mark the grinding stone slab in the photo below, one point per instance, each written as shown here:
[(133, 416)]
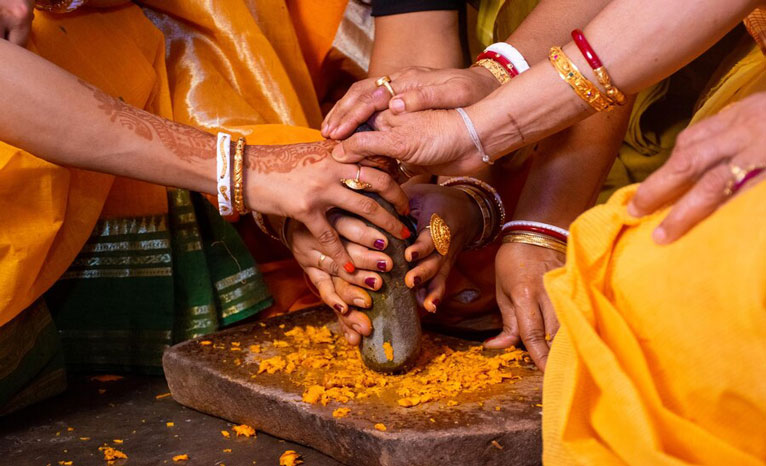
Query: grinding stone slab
[(466, 434)]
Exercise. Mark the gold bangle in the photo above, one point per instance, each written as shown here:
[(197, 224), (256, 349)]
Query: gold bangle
[(497, 70), (611, 90), (486, 215), (490, 193), (239, 198), (536, 239), (582, 86)]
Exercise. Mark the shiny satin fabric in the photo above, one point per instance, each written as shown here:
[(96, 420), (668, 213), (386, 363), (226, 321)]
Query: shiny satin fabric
[(661, 351)]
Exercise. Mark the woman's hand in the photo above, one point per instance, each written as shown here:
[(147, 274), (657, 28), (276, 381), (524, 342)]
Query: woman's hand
[(417, 88), (16, 20), (464, 219), (696, 177), (434, 139), (302, 181), (527, 312)]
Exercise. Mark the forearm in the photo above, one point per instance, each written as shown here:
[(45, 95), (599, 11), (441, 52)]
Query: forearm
[(426, 38), (640, 43), (60, 118), (569, 168)]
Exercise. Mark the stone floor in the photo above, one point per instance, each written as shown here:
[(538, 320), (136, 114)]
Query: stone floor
[(71, 427)]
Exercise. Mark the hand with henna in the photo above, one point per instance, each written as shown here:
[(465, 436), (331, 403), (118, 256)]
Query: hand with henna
[(528, 314), (430, 269)]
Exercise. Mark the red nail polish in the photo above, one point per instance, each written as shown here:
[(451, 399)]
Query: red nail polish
[(382, 266), (406, 233), (417, 281), (415, 255), (338, 308), (379, 244), (349, 267), (370, 281), (436, 302)]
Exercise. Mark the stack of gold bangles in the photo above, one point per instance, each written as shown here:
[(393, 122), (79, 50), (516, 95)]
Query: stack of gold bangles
[(490, 204), (536, 234), (583, 87)]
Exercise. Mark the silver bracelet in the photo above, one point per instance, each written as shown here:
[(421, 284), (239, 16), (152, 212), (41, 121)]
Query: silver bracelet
[(474, 136)]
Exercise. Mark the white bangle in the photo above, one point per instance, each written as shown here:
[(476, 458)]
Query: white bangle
[(511, 54), (529, 223), (223, 172), (474, 136)]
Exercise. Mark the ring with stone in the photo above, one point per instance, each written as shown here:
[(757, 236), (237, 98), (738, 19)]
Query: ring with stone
[(356, 183), (440, 234)]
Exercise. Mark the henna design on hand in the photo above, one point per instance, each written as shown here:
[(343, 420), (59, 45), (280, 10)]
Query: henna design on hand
[(184, 141), (285, 158)]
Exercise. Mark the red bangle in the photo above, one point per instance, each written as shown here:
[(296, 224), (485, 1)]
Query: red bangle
[(586, 50), (501, 60), (543, 230)]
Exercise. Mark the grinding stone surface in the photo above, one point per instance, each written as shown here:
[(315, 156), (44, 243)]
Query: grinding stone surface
[(466, 434)]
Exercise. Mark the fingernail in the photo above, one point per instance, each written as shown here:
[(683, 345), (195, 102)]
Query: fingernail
[(405, 233), (379, 244), (417, 280), (348, 337), (415, 255), (397, 105), (488, 340), (660, 235), (632, 210), (357, 328), (382, 266), (370, 281), (349, 267), (339, 308), (360, 302), (436, 301), (338, 150)]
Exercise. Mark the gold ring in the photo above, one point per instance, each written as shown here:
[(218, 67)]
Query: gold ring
[(322, 257), (404, 170), (740, 176), (385, 81), (440, 234), (356, 184)]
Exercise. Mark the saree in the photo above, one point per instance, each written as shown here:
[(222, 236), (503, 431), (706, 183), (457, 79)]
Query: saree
[(661, 351), (116, 269)]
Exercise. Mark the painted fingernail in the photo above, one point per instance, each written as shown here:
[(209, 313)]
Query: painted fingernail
[(360, 302), (370, 281), (436, 301), (357, 328), (405, 233), (415, 255), (417, 281), (396, 105), (339, 308), (382, 266), (379, 244), (349, 267)]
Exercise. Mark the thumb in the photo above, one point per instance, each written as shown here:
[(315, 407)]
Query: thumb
[(371, 143), (439, 96)]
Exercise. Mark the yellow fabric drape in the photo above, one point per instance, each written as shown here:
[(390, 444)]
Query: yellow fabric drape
[(232, 65), (662, 349)]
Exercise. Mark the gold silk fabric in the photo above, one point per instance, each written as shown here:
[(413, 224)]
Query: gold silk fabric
[(661, 354), (235, 65)]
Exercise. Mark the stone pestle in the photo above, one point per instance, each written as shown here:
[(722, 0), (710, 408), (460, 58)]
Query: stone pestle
[(394, 344)]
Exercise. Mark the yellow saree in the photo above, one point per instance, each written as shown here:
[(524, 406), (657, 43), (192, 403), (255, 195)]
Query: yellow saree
[(661, 352)]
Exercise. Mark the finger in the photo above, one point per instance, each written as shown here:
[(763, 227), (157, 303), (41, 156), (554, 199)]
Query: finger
[(439, 96), (383, 184), (422, 247), (358, 232), (366, 259), (509, 336), (424, 271), (362, 100), (370, 143), (549, 318), (686, 165), (19, 34), (436, 288), (352, 294), (531, 325), (360, 277), (702, 200), (323, 283), (329, 241), (366, 207)]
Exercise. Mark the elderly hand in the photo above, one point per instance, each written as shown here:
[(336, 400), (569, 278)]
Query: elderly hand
[(527, 312), (416, 88), (703, 165), (464, 219), (16, 20), (302, 181)]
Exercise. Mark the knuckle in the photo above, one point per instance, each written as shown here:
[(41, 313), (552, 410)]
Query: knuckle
[(522, 293), (326, 238), (368, 206), (333, 268)]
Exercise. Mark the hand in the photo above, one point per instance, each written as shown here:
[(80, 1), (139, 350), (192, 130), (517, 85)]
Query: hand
[(302, 181), (698, 172), (527, 312), (16, 20), (417, 88), (464, 219), (435, 139)]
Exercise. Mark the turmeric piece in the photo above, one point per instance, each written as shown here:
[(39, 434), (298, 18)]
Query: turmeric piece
[(290, 458)]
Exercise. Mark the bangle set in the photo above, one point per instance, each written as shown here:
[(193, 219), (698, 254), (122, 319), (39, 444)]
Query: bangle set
[(489, 202), (503, 61), (582, 86), (537, 234), (511, 54)]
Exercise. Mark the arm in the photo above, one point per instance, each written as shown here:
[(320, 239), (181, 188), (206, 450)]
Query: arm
[(89, 129)]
